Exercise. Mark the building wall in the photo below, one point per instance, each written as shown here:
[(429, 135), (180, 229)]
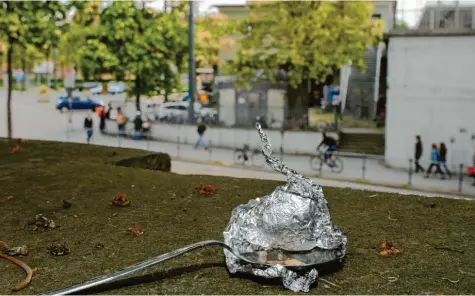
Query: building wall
[(387, 11), (291, 142), (431, 92)]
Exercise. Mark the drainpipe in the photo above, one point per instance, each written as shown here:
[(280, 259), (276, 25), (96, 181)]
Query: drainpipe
[(457, 15)]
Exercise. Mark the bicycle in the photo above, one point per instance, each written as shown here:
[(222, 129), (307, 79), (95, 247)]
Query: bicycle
[(245, 154), (334, 162)]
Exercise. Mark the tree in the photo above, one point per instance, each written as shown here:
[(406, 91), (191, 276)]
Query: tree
[(307, 40), (140, 42), (22, 23), (86, 16), (25, 57), (213, 32)]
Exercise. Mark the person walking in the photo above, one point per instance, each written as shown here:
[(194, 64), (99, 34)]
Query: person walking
[(102, 117), (418, 154), (443, 159), (109, 110), (88, 127), (138, 122), (435, 162), (121, 121), (201, 131)]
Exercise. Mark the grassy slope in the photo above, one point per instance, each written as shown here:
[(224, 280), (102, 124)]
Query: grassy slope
[(172, 214)]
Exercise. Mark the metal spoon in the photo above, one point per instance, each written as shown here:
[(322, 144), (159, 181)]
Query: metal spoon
[(147, 263)]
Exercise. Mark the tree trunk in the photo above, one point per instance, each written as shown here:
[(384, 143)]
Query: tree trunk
[(23, 68), (137, 92), (9, 87)]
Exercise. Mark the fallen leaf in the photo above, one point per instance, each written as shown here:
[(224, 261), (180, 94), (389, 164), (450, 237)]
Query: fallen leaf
[(387, 249), (206, 189), (121, 199), (10, 197), (135, 231), (15, 149)]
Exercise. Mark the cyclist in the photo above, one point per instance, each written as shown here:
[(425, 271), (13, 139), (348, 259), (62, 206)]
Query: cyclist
[(330, 143)]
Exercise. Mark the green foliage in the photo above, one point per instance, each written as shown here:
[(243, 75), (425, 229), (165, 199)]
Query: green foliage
[(97, 58), (402, 25), (213, 33), (142, 43), (31, 26), (309, 39), (26, 56), (85, 18)]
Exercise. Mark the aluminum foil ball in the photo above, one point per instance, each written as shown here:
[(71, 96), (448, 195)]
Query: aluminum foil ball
[(294, 217)]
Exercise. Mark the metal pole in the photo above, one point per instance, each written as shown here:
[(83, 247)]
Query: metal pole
[(55, 73), (191, 65), (209, 150), (148, 140), (282, 146), (363, 167), (178, 146), (409, 182), (461, 177), (67, 131), (322, 155)]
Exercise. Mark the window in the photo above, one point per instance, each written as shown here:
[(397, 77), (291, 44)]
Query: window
[(376, 16)]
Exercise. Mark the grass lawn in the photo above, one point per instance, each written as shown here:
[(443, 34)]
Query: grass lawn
[(435, 235), (318, 118)]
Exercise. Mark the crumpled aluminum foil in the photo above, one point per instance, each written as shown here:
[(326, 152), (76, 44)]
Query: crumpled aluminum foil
[(294, 217)]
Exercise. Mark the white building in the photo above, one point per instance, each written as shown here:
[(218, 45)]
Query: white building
[(431, 93)]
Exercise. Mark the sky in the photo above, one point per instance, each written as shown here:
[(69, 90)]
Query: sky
[(408, 10)]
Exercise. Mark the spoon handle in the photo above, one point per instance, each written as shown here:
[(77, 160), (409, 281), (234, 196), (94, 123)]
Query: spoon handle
[(134, 268)]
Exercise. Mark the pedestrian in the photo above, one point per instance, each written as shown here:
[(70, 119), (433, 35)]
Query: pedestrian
[(435, 162), (138, 122), (121, 121), (201, 131), (88, 127), (108, 112), (146, 126), (102, 117), (418, 154), (443, 159)]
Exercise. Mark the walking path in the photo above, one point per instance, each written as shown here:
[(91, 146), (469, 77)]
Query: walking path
[(32, 120)]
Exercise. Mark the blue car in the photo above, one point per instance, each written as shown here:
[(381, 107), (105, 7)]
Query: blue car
[(77, 104), (113, 88)]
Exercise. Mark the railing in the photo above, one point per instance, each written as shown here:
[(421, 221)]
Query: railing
[(438, 16), (365, 169)]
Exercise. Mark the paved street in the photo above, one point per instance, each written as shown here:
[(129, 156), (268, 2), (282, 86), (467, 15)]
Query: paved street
[(41, 121)]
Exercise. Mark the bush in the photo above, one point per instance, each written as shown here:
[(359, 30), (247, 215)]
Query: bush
[(43, 89), (155, 162)]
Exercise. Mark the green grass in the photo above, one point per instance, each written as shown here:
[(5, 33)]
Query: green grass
[(435, 235), (317, 117)]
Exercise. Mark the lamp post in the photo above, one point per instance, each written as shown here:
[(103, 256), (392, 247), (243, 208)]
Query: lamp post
[(55, 69), (191, 64)]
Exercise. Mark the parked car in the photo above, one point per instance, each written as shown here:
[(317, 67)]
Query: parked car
[(77, 104), (88, 86), (209, 115), (113, 88), (176, 111)]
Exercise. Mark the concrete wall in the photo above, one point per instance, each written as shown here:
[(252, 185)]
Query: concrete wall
[(387, 11), (431, 92), (293, 142)]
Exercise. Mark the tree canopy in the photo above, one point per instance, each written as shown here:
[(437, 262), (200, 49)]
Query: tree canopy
[(145, 44), (28, 25), (213, 33), (308, 39)]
